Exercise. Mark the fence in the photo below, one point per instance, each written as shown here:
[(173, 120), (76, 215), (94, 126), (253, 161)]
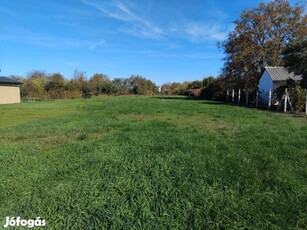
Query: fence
[(253, 99)]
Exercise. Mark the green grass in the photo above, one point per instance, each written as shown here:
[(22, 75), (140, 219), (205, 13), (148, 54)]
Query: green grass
[(152, 163)]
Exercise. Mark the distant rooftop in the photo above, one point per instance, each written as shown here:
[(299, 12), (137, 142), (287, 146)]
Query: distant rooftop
[(8, 81), (281, 74)]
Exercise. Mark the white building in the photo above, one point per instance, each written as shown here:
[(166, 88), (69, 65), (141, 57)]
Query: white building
[(272, 78)]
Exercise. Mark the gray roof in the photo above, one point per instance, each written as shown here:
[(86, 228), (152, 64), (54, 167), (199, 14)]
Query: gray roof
[(281, 74), (8, 81)]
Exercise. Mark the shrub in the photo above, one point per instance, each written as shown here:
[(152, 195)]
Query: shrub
[(195, 92), (297, 97)]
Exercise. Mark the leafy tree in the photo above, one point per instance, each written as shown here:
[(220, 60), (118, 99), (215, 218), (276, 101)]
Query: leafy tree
[(216, 90), (16, 77), (142, 86), (258, 39), (178, 89), (209, 88), (295, 58), (175, 88), (79, 82), (166, 88), (27, 89), (120, 86), (56, 86), (196, 84), (182, 88), (101, 84), (34, 85), (56, 82), (208, 81), (37, 74)]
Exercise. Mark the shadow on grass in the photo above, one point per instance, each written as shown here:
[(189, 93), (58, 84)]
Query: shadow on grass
[(187, 98), (215, 102), (261, 107), (175, 98), (212, 102)]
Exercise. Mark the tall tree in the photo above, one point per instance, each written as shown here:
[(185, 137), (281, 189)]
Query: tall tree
[(258, 39), (295, 59)]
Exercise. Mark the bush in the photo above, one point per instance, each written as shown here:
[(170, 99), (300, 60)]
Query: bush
[(207, 93), (297, 97), (195, 92), (216, 90)]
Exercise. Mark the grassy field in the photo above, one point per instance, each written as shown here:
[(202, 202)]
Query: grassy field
[(152, 163)]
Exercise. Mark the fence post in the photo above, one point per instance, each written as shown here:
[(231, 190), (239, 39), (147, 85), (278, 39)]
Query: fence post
[(227, 94), (270, 98), (306, 104), (246, 98), (233, 95), (239, 96), (286, 99), (257, 99)]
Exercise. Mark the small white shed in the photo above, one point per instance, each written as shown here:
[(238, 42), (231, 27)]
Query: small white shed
[(272, 78)]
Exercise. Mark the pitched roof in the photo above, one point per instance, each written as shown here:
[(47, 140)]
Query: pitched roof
[(281, 74), (8, 81)]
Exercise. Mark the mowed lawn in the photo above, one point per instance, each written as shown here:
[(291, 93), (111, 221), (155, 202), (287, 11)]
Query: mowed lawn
[(152, 163)]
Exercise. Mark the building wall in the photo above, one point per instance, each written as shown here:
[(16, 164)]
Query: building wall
[(9, 94), (265, 84)]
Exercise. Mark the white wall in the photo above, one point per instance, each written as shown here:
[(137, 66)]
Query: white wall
[(265, 84)]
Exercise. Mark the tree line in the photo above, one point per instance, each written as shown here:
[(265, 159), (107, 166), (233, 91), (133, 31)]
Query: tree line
[(41, 85), (193, 88)]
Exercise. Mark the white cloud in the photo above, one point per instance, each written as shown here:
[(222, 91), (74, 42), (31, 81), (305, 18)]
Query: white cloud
[(25, 36), (94, 45), (137, 25), (205, 31)]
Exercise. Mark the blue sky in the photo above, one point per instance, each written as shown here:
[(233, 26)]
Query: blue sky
[(162, 40)]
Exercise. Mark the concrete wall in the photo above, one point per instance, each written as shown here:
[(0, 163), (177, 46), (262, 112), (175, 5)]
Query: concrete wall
[(9, 94)]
